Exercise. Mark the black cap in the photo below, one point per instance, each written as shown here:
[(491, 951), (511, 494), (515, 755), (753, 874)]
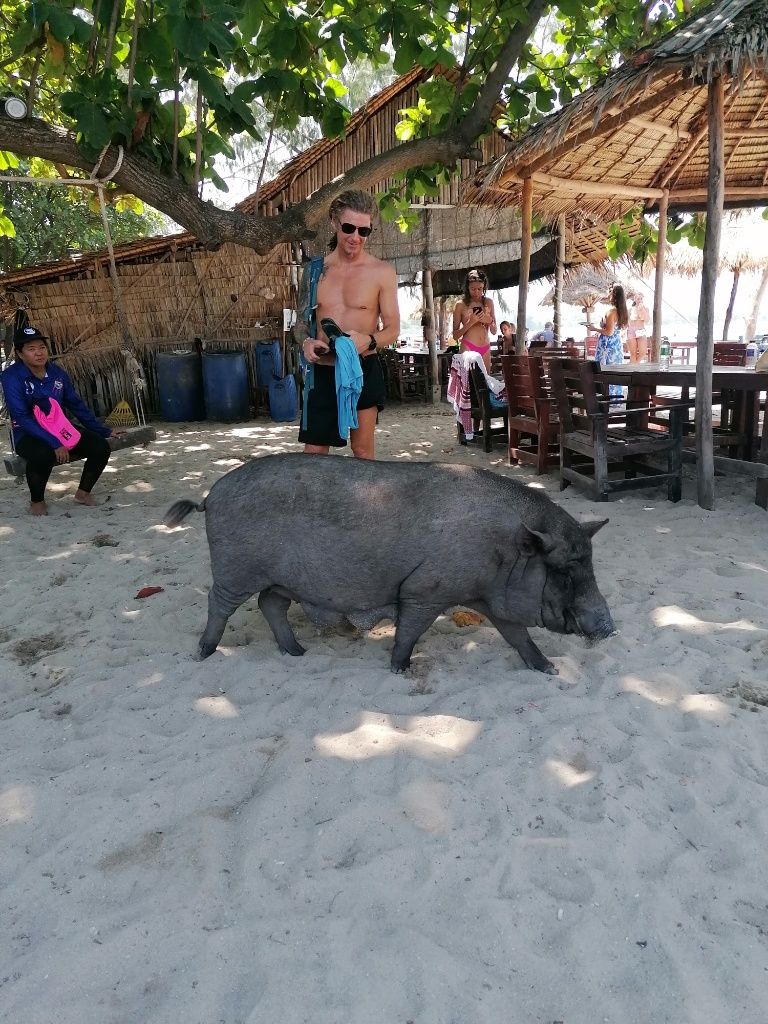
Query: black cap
[(25, 334)]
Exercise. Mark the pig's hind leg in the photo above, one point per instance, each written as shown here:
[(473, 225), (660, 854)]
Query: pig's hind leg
[(274, 607), (412, 621), (221, 604)]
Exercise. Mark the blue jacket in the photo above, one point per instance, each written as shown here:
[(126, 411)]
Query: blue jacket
[(21, 386)]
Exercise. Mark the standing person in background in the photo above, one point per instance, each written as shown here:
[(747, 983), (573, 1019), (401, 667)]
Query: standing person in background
[(609, 348), (637, 342), (359, 292), (507, 338), (474, 317)]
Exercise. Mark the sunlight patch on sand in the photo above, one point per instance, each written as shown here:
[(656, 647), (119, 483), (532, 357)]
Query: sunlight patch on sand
[(673, 615), (567, 773), (706, 705), (151, 680), (16, 805), (217, 707), (644, 689), (140, 487), (377, 735), (6, 531), (56, 556)]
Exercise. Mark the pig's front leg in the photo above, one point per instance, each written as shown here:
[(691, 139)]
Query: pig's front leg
[(412, 621), (517, 636), (274, 608)]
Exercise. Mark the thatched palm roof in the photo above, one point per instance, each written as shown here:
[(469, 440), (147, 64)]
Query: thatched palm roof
[(644, 129)]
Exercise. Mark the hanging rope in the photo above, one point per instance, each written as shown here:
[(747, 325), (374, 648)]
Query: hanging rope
[(97, 182)]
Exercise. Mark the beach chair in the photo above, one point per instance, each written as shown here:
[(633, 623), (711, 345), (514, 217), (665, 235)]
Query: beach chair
[(596, 442), (533, 422)]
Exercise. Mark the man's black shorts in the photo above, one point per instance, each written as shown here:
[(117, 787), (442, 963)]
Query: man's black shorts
[(322, 410)]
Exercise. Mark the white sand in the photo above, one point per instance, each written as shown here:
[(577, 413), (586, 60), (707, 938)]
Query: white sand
[(259, 838)]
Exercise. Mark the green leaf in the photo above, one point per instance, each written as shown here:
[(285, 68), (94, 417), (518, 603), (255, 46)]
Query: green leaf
[(7, 229)]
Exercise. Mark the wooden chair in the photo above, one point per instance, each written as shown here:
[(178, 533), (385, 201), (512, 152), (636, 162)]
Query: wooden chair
[(483, 412), (404, 380), (532, 413), (595, 441)]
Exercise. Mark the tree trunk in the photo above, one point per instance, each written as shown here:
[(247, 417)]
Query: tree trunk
[(429, 329), (525, 264), (658, 290), (559, 275), (705, 463), (754, 312), (729, 311)]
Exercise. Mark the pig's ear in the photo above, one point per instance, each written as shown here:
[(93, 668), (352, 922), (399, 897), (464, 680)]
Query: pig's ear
[(534, 542), (593, 525)]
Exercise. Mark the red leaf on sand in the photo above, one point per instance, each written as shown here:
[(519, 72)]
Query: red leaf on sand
[(148, 592)]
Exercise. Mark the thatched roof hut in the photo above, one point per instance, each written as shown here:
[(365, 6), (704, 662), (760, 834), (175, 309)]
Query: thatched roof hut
[(643, 131), (681, 124)]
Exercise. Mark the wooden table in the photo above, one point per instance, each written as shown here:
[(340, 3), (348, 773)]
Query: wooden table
[(745, 384)]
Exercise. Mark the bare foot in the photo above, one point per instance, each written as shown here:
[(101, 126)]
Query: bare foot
[(84, 498), (38, 508)]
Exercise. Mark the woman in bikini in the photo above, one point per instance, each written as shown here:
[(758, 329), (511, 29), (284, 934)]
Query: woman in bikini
[(474, 318)]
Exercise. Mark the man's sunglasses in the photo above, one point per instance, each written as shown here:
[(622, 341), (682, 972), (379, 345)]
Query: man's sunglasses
[(350, 229)]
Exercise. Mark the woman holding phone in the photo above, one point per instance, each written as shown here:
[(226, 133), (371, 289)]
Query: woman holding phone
[(474, 317)]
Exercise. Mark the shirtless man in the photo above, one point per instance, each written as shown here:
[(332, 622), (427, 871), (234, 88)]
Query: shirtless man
[(359, 292), (474, 316)]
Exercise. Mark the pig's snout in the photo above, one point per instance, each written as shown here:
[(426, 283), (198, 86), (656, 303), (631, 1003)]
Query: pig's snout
[(596, 626)]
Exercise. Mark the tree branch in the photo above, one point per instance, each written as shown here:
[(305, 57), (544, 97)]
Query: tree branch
[(214, 226)]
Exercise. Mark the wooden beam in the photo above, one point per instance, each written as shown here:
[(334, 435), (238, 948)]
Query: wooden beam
[(608, 125), (559, 276), (705, 338), (658, 290), (581, 186), (525, 263), (428, 297)]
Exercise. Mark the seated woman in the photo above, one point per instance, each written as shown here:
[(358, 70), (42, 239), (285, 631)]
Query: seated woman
[(38, 392), (610, 348), (474, 317)]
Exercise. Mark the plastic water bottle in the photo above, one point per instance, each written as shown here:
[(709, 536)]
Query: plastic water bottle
[(751, 355), (665, 354)]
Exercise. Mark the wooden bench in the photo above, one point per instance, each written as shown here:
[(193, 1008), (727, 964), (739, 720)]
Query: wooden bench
[(16, 466)]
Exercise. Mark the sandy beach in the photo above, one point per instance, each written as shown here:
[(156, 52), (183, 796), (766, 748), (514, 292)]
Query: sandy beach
[(259, 838)]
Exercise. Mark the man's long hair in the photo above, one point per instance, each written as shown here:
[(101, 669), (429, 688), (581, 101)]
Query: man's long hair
[(354, 199)]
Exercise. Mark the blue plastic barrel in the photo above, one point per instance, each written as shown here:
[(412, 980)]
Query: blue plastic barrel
[(225, 385), (180, 386)]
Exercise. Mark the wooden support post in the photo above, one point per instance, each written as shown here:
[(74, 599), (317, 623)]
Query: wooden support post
[(559, 276), (525, 263), (429, 330), (659, 283), (705, 338)]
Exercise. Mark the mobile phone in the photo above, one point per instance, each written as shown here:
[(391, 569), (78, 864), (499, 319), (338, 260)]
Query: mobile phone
[(477, 309)]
